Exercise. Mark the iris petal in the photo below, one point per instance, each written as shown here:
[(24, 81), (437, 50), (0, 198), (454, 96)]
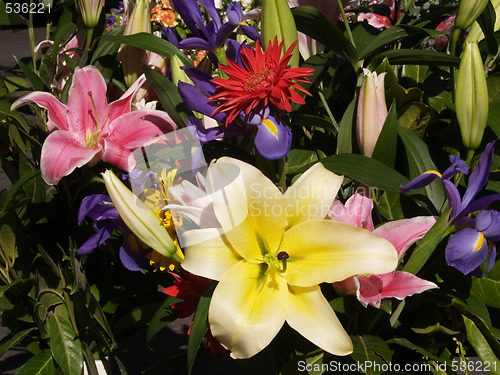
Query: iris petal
[(466, 250)]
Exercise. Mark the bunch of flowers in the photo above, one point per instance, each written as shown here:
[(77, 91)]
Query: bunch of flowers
[(266, 171)]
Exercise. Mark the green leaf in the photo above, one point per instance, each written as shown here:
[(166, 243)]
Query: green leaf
[(313, 361), (313, 23), (106, 47), (8, 239), (427, 245), (40, 364), (164, 316), (61, 32), (419, 161), (9, 19), (436, 328), (344, 139), (487, 289), (416, 72), (371, 349), (389, 206), (14, 340), (405, 56), (312, 121), (169, 97), (481, 345), (385, 149), (200, 324), (151, 43), (36, 81), (487, 21), (408, 344), (65, 346), (13, 190), (298, 159), (493, 82), (366, 170), (388, 36)]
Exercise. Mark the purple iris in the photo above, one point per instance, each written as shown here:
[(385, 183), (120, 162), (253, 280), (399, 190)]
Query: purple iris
[(273, 138), (209, 36), (99, 208), (471, 245)]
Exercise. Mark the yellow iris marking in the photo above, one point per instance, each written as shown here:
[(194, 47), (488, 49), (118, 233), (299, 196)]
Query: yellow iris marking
[(479, 242), (271, 126), (435, 172)]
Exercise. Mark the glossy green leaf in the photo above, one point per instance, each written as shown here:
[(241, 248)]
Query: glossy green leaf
[(493, 82), (487, 289), (419, 161), (13, 190), (200, 325), (389, 206), (427, 245), (9, 342), (487, 21), (65, 346), (346, 126), (36, 81), (406, 56), (409, 345), (388, 36), (106, 47), (385, 149), (481, 345), (162, 317), (313, 23), (371, 349), (312, 121), (7, 239), (297, 159), (151, 43), (366, 170), (169, 97), (40, 364)]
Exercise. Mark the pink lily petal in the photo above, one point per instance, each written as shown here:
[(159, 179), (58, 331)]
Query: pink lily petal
[(62, 152), (404, 233), (124, 103), (357, 211), (57, 112), (139, 128), (118, 156), (397, 285), (88, 89)]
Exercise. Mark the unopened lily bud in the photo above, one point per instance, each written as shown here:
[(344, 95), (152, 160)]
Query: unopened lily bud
[(178, 74), (133, 58), (476, 34), (90, 11), (372, 111), (277, 21), (471, 97), (468, 12)]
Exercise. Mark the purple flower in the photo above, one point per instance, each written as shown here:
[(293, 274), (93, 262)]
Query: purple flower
[(99, 208)]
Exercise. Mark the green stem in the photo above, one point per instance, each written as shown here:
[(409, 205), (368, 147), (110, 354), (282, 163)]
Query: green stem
[(328, 111), (346, 22), (470, 155), (88, 42), (395, 315), (31, 34)]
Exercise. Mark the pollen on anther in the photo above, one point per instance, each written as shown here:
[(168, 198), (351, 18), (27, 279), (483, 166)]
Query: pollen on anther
[(283, 255)]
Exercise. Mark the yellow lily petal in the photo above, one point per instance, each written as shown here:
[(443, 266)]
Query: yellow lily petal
[(329, 251), (139, 218), (207, 254), (246, 315), (312, 195), (311, 315), (249, 207)]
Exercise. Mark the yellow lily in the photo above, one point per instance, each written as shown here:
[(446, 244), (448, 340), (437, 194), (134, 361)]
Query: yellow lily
[(270, 254)]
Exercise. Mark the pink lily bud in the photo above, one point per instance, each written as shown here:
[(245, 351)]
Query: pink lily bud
[(90, 11), (133, 58), (372, 111)]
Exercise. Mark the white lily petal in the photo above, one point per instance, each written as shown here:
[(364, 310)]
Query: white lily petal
[(244, 315), (140, 219), (207, 254), (311, 315), (329, 251), (312, 195)]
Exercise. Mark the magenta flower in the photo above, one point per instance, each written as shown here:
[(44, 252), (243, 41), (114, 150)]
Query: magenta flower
[(88, 129), (371, 289)]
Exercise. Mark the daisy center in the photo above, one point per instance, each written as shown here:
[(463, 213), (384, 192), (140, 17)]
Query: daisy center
[(258, 80)]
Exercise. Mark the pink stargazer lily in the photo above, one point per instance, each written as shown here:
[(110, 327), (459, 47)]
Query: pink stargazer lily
[(89, 129), (371, 289)]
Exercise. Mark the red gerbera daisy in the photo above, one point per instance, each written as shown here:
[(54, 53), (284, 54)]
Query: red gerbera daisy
[(264, 78)]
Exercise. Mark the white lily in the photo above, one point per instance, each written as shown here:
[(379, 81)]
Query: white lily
[(272, 252), (139, 218)]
